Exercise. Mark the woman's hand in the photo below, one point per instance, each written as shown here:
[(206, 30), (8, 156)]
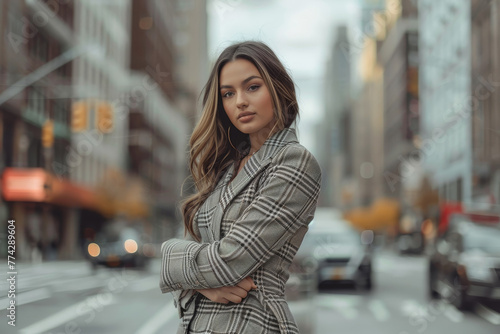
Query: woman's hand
[(226, 294)]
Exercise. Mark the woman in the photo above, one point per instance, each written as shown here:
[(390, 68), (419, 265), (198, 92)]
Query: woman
[(257, 192)]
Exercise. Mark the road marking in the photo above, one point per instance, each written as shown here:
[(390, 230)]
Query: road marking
[(73, 285), (160, 318), (488, 314), (453, 314), (345, 305), (27, 297), (89, 305), (411, 307), (379, 310), (145, 284)]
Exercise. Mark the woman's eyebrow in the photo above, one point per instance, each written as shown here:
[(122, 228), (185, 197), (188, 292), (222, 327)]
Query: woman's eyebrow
[(243, 82)]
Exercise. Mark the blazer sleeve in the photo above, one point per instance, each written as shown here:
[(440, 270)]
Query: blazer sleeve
[(182, 298), (286, 201)]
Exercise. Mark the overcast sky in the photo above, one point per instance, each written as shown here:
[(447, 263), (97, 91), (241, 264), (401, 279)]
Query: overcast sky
[(300, 33)]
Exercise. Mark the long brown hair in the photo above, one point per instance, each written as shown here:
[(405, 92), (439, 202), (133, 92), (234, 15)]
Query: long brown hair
[(216, 143)]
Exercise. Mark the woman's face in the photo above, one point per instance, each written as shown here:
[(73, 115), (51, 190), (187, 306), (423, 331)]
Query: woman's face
[(246, 98)]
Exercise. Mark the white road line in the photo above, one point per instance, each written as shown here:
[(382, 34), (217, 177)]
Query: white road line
[(345, 304), (379, 310), (89, 305), (86, 283), (163, 316), (453, 314), (411, 307), (27, 297), (145, 284), (488, 314)]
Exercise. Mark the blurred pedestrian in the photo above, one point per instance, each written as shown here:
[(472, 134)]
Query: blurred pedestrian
[(34, 232), (257, 192)]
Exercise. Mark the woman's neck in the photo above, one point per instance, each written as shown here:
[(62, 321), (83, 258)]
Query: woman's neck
[(258, 138)]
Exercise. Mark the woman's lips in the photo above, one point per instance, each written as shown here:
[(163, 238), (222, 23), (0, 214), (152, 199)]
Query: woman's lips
[(246, 118)]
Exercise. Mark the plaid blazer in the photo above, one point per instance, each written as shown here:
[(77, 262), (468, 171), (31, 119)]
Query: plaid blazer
[(269, 204)]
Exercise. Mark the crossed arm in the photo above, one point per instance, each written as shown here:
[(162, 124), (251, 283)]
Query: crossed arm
[(285, 202)]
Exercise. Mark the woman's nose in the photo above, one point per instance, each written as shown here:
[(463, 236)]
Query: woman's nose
[(241, 102)]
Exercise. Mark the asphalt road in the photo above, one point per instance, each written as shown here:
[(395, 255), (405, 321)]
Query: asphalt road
[(398, 304), (66, 297)]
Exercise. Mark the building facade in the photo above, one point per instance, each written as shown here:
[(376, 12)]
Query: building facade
[(35, 68), (170, 75), (398, 56), (96, 119), (334, 141), (445, 86), (368, 130), (485, 83)]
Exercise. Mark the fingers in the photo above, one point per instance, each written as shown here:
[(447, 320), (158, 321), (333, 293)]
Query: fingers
[(234, 294), (236, 290), (233, 298), (247, 284), (252, 282)]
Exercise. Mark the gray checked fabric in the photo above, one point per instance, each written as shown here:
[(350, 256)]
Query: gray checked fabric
[(251, 226)]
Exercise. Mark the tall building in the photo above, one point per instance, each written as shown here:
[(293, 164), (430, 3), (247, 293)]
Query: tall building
[(445, 143), (485, 83), (398, 55), (169, 75), (35, 79), (99, 113), (95, 121), (367, 130), (334, 132)]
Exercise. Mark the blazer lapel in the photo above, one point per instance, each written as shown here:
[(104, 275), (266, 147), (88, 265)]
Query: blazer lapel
[(254, 165)]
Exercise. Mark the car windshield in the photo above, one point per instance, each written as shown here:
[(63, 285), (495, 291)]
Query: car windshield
[(317, 238), (483, 238), (115, 234)]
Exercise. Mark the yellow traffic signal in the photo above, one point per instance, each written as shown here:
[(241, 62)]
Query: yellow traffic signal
[(104, 119), (48, 133), (79, 112)]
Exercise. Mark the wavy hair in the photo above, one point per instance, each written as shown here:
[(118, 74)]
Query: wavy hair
[(216, 143)]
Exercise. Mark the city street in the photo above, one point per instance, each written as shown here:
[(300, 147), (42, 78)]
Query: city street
[(65, 297), (372, 125), (398, 305)]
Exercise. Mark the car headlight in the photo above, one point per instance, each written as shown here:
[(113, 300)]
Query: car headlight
[(94, 249), (130, 246)]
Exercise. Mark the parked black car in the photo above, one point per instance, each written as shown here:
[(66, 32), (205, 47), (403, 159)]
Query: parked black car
[(465, 264), (121, 247)]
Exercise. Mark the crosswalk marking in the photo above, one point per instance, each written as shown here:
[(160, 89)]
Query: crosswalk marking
[(379, 310), (89, 305), (145, 284), (27, 297), (345, 305), (163, 316), (488, 314), (80, 284), (453, 314)]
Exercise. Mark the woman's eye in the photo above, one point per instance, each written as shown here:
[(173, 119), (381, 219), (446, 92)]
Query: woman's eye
[(227, 94), (253, 87)]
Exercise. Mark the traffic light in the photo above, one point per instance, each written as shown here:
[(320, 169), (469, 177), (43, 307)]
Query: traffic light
[(48, 133), (79, 112), (104, 119)]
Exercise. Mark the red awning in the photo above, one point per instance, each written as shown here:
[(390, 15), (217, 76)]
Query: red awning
[(36, 185)]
